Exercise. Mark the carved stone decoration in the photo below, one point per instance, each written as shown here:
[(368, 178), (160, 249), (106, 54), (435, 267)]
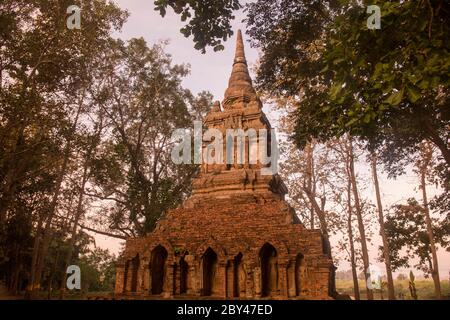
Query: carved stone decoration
[(223, 230)]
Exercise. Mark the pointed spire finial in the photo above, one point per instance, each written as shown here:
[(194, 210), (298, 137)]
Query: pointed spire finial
[(240, 53), (240, 84)]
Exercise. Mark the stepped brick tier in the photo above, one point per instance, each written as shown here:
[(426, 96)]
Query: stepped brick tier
[(236, 236)]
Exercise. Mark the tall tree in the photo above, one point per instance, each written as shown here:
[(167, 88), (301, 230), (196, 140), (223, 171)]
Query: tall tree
[(387, 259), (388, 86), (146, 103), (423, 167), (408, 236), (359, 216)]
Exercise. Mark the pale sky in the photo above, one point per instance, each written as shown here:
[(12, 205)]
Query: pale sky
[(210, 72)]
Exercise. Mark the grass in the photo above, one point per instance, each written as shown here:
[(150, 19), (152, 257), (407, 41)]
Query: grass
[(424, 288)]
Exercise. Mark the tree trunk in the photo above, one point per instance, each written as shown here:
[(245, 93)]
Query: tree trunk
[(386, 252), (33, 286), (310, 189), (37, 268), (311, 184), (73, 236), (352, 247), (361, 228), (434, 138), (427, 154)]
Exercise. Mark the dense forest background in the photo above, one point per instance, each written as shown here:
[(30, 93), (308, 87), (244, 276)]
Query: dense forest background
[(86, 122)]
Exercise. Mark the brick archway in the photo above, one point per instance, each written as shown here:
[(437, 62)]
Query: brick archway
[(239, 277), (299, 273), (209, 268), (184, 274), (157, 267), (269, 270)]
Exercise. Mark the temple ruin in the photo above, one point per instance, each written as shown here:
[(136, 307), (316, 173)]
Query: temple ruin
[(236, 236)]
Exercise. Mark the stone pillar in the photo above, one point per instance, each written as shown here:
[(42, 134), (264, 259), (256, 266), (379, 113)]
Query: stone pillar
[(146, 279), (283, 280), (249, 282), (129, 281), (291, 280), (197, 278), (140, 278), (257, 282), (231, 269), (176, 279), (221, 280), (120, 279), (191, 283), (168, 281)]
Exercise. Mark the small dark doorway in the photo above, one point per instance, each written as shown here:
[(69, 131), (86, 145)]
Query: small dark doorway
[(134, 273), (237, 266), (299, 273), (184, 270), (125, 277), (158, 261), (209, 271), (269, 270)]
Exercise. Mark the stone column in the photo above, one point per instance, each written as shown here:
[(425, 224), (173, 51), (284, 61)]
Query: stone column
[(129, 278), (257, 282), (145, 276), (231, 268), (140, 279), (120, 279), (249, 282), (221, 280), (191, 283), (168, 281), (197, 278), (291, 279), (282, 281)]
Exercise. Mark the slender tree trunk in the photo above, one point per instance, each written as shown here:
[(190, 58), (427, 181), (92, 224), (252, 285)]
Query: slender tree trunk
[(41, 245), (324, 228), (311, 184), (352, 247), (33, 286), (427, 154), (386, 251), (359, 216), (434, 138), (73, 236)]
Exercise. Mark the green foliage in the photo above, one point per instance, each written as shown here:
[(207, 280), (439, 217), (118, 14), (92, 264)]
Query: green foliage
[(84, 118), (97, 271), (388, 86), (424, 289), (408, 238), (207, 21), (145, 103)]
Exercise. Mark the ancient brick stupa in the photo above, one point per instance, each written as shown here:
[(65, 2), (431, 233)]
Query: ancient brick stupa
[(236, 236)]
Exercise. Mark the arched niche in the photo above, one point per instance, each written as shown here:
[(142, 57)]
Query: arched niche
[(239, 276), (209, 267), (299, 273), (134, 275), (157, 267), (269, 270), (184, 274)]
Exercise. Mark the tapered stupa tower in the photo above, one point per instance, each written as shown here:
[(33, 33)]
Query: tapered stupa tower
[(235, 237)]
